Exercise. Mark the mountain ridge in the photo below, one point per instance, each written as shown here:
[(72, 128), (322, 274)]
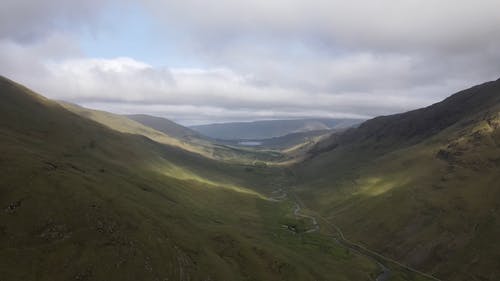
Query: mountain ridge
[(406, 125), (165, 125), (411, 186), (266, 129)]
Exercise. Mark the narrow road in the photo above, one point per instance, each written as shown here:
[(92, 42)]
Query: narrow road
[(378, 258), (297, 213)]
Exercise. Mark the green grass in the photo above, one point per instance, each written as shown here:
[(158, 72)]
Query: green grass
[(141, 225), (82, 202), (198, 145), (432, 204), (109, 199)]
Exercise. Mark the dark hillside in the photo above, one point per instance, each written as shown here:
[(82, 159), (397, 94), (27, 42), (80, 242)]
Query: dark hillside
[(421, 187)]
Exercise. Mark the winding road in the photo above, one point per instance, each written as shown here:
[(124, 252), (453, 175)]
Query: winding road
[(341, 240), (297, 213)]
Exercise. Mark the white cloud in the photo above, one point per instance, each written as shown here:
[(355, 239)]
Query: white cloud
[(387, 24), (217, 94), (262, 59)]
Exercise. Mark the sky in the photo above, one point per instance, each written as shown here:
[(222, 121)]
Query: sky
[(199, 62)]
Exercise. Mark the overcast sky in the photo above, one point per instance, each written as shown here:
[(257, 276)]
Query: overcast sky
[(229, 60)]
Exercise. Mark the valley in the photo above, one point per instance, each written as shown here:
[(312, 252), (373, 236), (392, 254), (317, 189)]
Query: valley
[(91, 195), (75, 192), (230, 140)]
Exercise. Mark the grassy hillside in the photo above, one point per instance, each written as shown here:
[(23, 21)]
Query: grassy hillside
[(128, 125), (166, 126), (97, 196), (172, 135), (421, 187), (270, 128), (83, 202)]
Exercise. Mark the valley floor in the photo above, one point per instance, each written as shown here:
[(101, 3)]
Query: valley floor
[(389, 269)]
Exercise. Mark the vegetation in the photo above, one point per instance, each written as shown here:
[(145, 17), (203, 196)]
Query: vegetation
[(83, 202), (90, 195), (166, 126), (420, 187), (179, 136)]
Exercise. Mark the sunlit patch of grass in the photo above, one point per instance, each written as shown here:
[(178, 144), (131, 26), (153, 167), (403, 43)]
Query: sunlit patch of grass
[(428, 203), (181, 173), (375, 186)]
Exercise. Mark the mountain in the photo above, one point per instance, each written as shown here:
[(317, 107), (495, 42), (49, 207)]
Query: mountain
[(270, 128), (90, 195), (420, 187), (125, 124), (174, 135), (83, 201), (166, 126)]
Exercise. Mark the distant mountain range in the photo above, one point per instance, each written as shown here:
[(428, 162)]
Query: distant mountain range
[(267, 129)]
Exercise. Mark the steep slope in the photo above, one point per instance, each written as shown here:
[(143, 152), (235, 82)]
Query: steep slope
[(270, 128), (192, 143), (83, 202), (128, 125), (421, 187), (166, 126), (395, 131)]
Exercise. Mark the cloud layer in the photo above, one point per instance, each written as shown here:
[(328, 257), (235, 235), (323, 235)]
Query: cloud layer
[(259, 59)]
